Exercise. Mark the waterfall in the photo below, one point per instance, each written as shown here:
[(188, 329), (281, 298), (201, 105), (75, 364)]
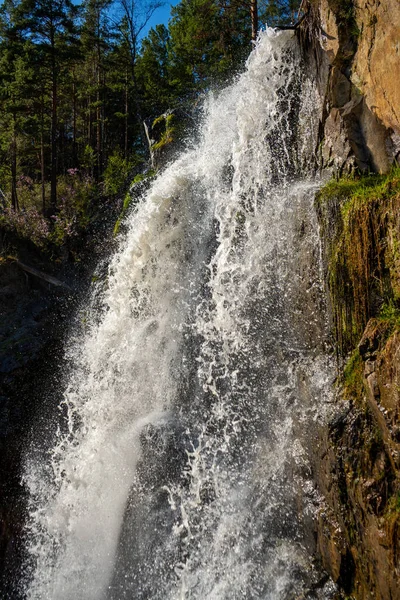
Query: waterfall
[(180, 467)]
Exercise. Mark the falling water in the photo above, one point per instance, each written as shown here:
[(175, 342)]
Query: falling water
[(180, 468)]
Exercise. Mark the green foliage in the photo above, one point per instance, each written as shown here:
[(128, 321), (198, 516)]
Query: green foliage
[(353, 375), (88, 159), (168, 133), (207, 42), (361, 188), (76, 194), (153, 71), (77, 85), (390, 313), (117, 172), (27, 224), (279, 12), (143, 176)]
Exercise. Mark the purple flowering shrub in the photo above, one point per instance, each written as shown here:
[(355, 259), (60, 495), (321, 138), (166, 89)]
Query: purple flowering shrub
[(27, 223), (75, 193)]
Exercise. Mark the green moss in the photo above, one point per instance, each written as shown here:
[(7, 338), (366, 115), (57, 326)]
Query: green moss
[(122, 214), (353, 376), (363, 250), (129, 197), (168, 135), (391, 314), (141, 177), (361, 188), (394, 503)]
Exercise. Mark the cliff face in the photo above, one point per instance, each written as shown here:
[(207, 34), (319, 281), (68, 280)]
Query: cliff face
[(376, 66), (358, 47), (355, 48), (358, 469)]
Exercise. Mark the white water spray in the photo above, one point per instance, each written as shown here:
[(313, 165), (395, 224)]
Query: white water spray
[(181, 470)]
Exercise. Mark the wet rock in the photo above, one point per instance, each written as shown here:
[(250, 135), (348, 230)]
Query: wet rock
[(30, 340), (359, 477), (336, 151), (369, 367), (373, 385), (358, 468), (167, 441), (338, 423), (372, 336)]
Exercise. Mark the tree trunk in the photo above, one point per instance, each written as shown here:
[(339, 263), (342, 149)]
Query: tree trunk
[(98, 127), (42, 174), (89, 123), (14, 195), (254, 19), (53, 178), (74, 152), (99, 160), (126, 117), (143, 133), (104, 155)]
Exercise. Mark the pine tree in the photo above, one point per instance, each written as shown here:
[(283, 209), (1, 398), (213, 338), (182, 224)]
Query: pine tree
[(153, 72), (96, 44), (51, 25), (209, 39), (11, 49)]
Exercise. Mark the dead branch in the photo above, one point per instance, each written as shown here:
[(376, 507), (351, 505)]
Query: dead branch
[(41, 275)]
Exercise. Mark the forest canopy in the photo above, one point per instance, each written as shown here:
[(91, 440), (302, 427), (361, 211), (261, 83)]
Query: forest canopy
[(81, 86)]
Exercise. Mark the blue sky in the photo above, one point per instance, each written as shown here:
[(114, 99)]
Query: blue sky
[(161, 15)]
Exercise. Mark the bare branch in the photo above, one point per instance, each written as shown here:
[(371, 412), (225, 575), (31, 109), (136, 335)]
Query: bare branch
[(41, 275)]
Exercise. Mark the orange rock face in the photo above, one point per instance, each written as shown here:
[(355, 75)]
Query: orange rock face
[(360, 40), (376, 69)]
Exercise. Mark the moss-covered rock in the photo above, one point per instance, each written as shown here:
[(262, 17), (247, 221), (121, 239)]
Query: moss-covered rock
[(359, 475), (359, 464), (139, 185), (360, 220)]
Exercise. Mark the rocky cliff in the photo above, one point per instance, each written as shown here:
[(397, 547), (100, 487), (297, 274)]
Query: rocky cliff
[(358, 468), (354, 47)]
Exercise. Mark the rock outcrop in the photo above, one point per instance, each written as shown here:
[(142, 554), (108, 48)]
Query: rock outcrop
[(358, 469), (354, 46), (359, 522), (358, 48)]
